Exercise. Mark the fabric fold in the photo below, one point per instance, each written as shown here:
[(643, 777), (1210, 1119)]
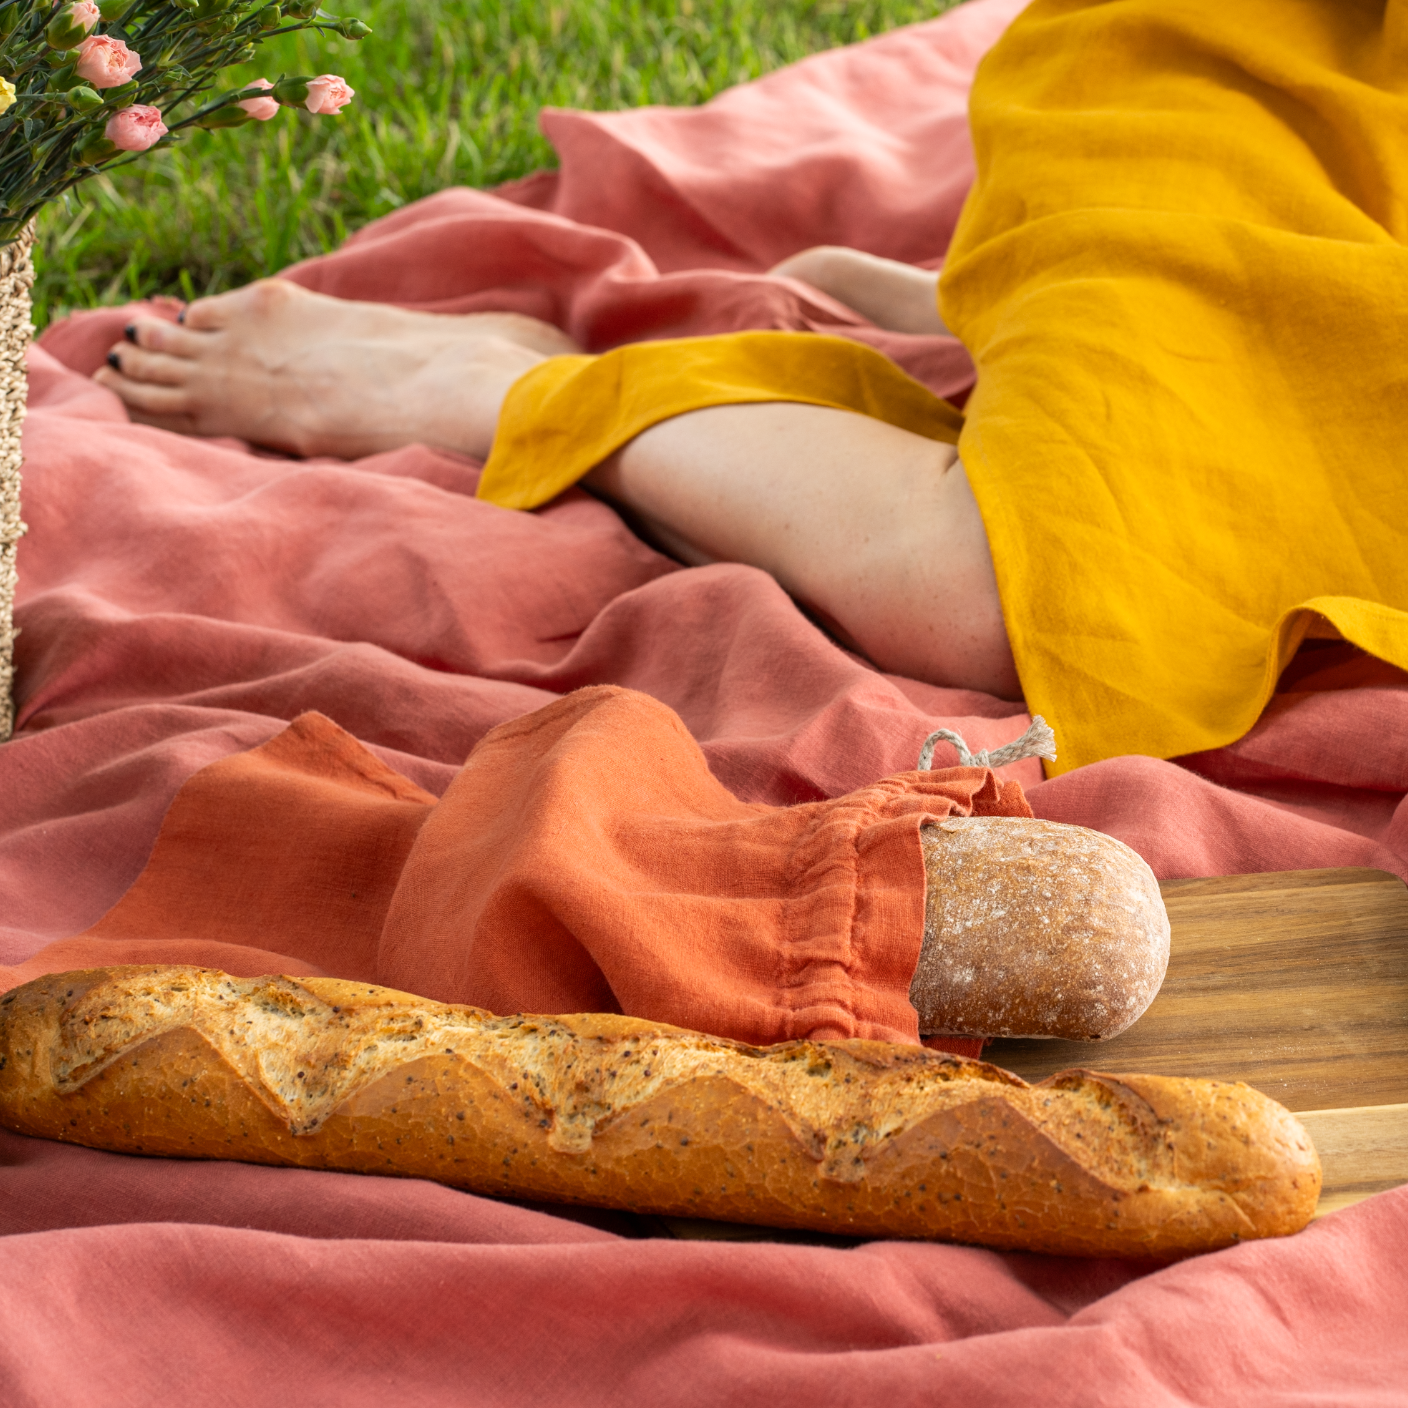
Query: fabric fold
[(584, 859), (566, 415), (1184, 284), (283, 859), (1181, 273), (151, 647)]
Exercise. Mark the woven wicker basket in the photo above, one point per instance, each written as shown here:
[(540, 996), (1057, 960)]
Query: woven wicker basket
[(16, 280)]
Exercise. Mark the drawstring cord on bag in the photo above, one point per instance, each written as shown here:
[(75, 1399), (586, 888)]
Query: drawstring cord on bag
[(1037, 742)]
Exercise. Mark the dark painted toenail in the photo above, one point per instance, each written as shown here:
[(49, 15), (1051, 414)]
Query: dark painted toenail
[(130, 332), (114, 361)]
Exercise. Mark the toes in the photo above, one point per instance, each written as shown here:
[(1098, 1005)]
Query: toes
[(157, 335), (147, 399), (263, 299), (207, 314), (136, 364)]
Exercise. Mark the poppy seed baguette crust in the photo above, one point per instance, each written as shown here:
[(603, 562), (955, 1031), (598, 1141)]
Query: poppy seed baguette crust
[(859, 1138)]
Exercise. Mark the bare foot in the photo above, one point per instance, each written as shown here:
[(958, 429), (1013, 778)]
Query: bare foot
[(279, 366)]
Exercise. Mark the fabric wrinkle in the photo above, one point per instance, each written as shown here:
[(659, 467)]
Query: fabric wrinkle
[(141, 676)]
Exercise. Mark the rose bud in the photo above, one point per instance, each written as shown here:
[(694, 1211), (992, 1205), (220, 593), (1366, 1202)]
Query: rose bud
[(62, 33), (67, 28), (261, 109), (291, 92), (328, 95), (136, 128), (82, 99), (105, 62), (85, 14)]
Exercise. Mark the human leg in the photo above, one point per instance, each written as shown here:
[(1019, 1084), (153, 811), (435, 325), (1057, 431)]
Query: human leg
[(870, 527)]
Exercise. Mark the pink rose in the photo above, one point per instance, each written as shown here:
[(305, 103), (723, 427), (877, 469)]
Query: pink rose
[(261, 109), (136, 128), (328, 94), (84, 15), (105, 62)]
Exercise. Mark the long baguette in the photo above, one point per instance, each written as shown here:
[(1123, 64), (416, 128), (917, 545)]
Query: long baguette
[(855, 1137)]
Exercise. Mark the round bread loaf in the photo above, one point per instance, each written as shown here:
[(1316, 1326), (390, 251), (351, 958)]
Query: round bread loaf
[(1036, 929)]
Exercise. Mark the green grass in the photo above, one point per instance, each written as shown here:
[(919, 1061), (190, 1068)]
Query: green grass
[(447, 94)]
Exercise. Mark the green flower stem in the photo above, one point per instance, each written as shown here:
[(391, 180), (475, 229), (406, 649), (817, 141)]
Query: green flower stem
[(448, 92), (50, 141)]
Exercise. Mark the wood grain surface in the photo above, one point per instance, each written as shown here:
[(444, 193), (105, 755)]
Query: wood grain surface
[(1295, 982), (1363, 1151)]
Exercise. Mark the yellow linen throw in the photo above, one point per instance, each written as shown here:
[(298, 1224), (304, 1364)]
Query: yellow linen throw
[(1182, 277)]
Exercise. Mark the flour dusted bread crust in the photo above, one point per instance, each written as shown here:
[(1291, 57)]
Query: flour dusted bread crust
[(1036, 928), (863, 1138)]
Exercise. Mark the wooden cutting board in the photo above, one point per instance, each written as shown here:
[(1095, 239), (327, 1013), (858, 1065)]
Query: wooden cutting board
[(1295, 982)]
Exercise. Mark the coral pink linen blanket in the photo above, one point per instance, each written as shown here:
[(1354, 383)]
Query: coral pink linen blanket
[(182, 601)]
